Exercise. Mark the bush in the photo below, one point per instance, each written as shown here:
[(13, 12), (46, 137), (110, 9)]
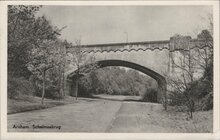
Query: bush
[(84, 92), (176, 99), (150, 95), (198, 96), (52, 87), (202, 92), (206, 103), (52, 93), (18, 87)]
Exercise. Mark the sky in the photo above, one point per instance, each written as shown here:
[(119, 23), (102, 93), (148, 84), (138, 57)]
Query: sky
[(117, 24)]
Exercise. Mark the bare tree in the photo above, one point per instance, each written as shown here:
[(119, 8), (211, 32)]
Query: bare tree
[(80, 59), (189, 65)]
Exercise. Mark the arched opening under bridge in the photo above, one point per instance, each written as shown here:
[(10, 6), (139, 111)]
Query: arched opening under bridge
[(161, 81)]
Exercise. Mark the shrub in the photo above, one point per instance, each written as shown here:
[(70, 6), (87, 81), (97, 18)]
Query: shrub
[(197, 96), (83, 91), (18, 87), (52, 87), (206, 103), (202, 93), (52, 93), (176, 98), (150, 95)]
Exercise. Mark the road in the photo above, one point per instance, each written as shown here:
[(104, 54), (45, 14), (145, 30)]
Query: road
[(95, 115)]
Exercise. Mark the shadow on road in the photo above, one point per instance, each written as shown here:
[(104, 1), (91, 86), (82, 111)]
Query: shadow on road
[(113, 98), (133, 100)]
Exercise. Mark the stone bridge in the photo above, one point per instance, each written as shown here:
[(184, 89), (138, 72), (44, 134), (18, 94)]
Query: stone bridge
[(152, 58)]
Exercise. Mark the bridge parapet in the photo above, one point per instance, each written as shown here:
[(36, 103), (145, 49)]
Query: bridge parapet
[(175, 43), (130, 46)]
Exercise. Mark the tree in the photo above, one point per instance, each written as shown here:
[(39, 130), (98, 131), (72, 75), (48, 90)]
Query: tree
[(49, 56), (59, 58), (25, 32), (30, 41), (42, 61), (190, 65), (81, 59)]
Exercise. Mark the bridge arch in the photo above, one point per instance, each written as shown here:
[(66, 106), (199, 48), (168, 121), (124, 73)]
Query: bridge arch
[(161, 81)]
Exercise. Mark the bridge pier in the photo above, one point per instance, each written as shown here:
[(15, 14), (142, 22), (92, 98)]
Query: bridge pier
[(162, 93), (74, 89), (70, 88)]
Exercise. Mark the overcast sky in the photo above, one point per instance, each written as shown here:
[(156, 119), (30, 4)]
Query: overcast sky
[(112, 24)]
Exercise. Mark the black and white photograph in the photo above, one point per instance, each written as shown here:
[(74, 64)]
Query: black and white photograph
[(110, 68)]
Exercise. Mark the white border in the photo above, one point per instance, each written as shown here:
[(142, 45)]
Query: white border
[(3, 75)]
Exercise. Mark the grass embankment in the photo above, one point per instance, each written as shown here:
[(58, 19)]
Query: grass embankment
[(29, 103), (202, 121)]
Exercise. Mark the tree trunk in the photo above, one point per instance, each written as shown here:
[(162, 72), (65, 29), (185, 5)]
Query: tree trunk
[(43, 90), (63, 84), (191, 114), (77, 84), (77, 79), (60, 82)]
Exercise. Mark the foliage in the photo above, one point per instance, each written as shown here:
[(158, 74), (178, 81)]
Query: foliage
[(115, 81), (189, 90), (25, 32), (206, 102), (34, 50), (83, 63), (176, 98), (198, 96), (49, 59), (150, 95), (205, 35), (18, 87)]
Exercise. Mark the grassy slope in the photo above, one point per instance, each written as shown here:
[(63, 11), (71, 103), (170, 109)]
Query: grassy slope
[(28, 103), (202, 121)]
